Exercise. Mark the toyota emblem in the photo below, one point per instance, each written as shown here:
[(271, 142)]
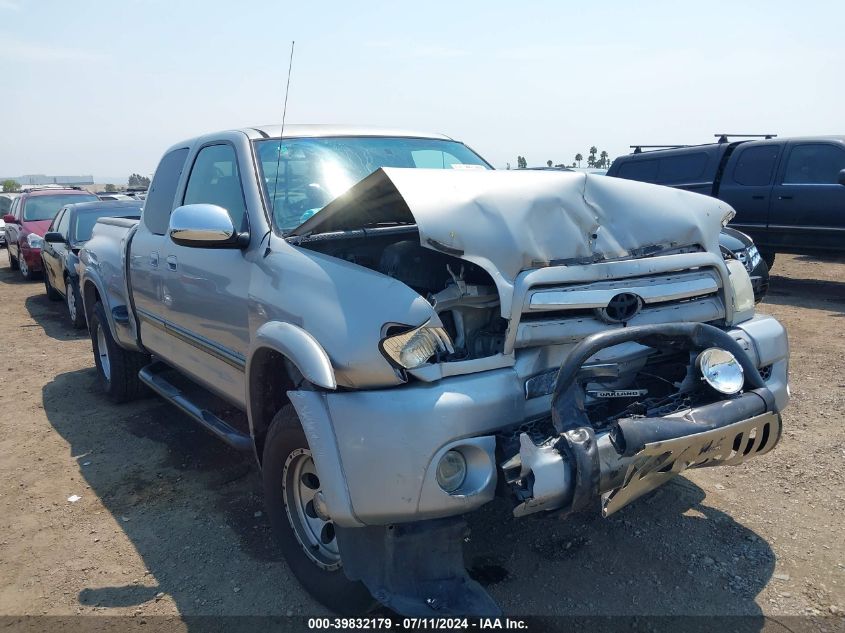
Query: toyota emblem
[(621, 308)]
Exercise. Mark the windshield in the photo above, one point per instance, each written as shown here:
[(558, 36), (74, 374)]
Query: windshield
[(46, 207), (312, 172), (85, 220)]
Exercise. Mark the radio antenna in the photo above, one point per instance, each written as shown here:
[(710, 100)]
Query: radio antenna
[(282, 134)]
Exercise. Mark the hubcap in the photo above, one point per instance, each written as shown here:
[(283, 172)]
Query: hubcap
[(315, 534), (103, 352), (71, 301)]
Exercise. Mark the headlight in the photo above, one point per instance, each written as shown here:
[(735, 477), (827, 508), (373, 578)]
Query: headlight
[(414, 347), (34, 240), (451, 471), (742, 291), (721, 370), (752, 258)]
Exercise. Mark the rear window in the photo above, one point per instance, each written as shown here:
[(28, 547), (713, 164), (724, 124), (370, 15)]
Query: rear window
[(84, 223), (162, 191), (756, 165), (642, 170), (46, 207)]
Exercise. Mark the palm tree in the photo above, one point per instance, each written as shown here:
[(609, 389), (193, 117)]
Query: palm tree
[(605, 161), (591, 161), (549, 163), (578, 159)]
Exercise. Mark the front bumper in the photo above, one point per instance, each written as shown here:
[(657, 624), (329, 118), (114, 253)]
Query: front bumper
[(376, 451)]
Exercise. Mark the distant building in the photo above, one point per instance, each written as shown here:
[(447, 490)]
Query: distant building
[(41, 179)]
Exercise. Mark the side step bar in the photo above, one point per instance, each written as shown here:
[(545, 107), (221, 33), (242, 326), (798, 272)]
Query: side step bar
[(151, 376)]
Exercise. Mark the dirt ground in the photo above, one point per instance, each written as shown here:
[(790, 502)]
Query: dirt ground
[(169, 521)]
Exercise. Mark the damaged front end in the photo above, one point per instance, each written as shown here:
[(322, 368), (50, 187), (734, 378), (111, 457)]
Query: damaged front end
[(618, 435), (570, 341)]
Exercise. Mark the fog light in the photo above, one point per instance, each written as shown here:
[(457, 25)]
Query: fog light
[(451, 471), (721, 370)]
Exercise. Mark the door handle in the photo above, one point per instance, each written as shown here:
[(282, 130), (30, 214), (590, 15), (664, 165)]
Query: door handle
[(784, 197), (758, 197), (171, 262), (153, 260)]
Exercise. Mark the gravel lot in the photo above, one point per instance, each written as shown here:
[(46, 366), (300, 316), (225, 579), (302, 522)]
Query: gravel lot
[(170, 522)]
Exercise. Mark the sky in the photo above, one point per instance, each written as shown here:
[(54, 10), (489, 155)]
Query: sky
[(103, 87)]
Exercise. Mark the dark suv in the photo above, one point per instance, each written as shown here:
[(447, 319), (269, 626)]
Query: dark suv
[(787, 193), (28, 221)]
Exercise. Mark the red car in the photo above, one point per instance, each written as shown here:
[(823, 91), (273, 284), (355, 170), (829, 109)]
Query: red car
[(28, 220)]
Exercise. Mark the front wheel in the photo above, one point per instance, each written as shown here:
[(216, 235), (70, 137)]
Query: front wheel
[(768, 257), (74, 304), (26, 272), (117, 368), (292, 495)]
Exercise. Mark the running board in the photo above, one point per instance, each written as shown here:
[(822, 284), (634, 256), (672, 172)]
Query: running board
[(151, 376)]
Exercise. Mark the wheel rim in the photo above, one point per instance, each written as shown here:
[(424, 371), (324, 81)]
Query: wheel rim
[(103, 352), (315, 534), (22, 264), (71, 301)]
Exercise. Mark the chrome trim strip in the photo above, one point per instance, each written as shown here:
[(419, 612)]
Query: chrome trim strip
[(228, 356)]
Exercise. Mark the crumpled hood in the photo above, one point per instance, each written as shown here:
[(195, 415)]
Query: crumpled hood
[(510, 221)]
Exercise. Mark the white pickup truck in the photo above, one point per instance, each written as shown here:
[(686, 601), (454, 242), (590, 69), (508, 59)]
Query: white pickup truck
[(404, 333)]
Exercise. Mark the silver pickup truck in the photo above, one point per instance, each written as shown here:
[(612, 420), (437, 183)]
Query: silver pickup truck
[(400, 333)]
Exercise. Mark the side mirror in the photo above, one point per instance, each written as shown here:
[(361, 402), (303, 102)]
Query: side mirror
[(54, 237), (842, 177), (9, 219), (204, 226)]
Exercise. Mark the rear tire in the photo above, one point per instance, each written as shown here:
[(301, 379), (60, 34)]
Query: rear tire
[(285, 448), (117, 368), (52, 293)]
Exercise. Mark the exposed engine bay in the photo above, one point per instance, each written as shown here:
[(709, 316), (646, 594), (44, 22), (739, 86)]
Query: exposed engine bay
[(462, 293)]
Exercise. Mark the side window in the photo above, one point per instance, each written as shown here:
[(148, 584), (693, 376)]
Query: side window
[(642, 170), (64, 222), (5, 205), (16, 208), (685, 168), (215, 179), (756, 165), (814, 164), (162, 193)]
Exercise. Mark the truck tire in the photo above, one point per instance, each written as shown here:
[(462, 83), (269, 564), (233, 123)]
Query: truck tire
[(768, 257), (117, 368), (52, 295), (307, 542), (13, 261)]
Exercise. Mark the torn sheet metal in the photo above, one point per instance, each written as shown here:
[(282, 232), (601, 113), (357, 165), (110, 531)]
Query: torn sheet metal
[(510, 221)]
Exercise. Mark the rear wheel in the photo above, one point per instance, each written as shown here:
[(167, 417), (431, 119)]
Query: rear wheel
[(52, 293), (117, 368), (74, 304), (292, 494)]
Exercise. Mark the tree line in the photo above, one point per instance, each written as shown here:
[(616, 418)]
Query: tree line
[(136, 181), (596, 159)]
